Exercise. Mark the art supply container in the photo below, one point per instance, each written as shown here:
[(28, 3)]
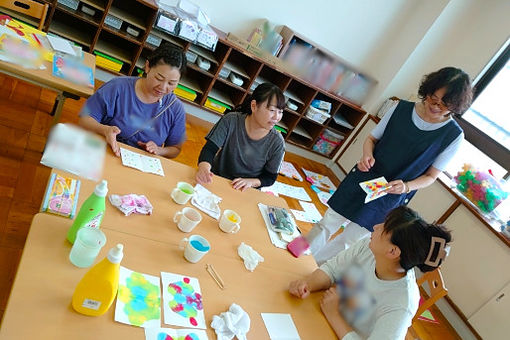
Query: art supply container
[(87, 245), (97, 289), (195, 247), (187, 219), (182, 193), (230, 221)]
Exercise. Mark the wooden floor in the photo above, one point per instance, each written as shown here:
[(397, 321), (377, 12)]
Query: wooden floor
[(24, 126)]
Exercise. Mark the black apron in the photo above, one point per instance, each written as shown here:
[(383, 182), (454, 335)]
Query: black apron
[(403, 152)]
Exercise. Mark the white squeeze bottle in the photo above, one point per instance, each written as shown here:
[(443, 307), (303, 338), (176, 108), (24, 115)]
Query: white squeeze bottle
[(91, 211), (97, 289)]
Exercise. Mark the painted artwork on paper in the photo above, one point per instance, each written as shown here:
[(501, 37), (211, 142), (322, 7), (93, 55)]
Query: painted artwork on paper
[(321, 181), (182, 301), (138, 299), (375, 188), (174, 334)]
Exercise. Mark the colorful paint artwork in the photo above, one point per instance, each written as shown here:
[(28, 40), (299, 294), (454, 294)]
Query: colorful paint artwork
[(174, 334), (374, 188), (319, 180), (182, 301), (138, 299)]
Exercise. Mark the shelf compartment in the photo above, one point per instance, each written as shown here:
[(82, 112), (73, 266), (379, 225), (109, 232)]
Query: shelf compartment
[(65, 26), (125, 9), (116, 47), (335, 104), (122, 33), (226, 94), (94, 20), (308, 130), (229, 83), (200, 70), (288, 121), (269, 75), (97, 4), (243, 66), (345, 119), (300, 94), (178, 42)]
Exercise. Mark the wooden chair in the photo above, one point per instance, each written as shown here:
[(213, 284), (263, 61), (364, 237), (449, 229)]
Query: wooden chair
[(437, 289), (27, 7)]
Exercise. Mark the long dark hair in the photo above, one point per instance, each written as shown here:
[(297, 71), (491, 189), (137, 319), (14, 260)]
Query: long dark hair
[(168, 54), (459, 91), (413, 236), (263, 92)]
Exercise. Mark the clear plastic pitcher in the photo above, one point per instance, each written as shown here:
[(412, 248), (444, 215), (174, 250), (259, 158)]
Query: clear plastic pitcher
[(89, 242)]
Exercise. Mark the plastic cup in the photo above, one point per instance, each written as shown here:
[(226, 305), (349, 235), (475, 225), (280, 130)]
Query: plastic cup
[(230, 222), (195, 247), (182, 193), (89, 242), (187, 219)]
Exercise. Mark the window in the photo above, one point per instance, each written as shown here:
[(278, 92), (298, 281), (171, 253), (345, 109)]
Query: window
[(487, 122)]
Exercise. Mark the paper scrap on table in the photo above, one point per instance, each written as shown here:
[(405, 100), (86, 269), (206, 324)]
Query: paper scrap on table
[(311, 209), (169, 333), (280, 326), (319, 180), (309, 213), (375, 188), (288, 169), (206, 201), (324, 197), (138, 299), (182, 301), (267, 190), (141, 162), (290, 191), (61, 45)]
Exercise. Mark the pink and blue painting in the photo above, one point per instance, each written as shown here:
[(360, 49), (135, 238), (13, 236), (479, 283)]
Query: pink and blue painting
[(174, 334)]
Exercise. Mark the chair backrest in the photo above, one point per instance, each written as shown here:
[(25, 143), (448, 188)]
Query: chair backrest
[(435, 282), (27, 7)]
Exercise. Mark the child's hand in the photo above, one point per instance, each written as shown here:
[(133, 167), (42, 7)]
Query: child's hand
[(151, 147), (299, 288), (204, 174), (110, 134), (330, 301)]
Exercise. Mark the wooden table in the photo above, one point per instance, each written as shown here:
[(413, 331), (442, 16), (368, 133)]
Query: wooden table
[(44, 78), (46, 279)]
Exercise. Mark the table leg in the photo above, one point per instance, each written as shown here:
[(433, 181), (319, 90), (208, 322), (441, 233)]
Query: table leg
[(56, 112)]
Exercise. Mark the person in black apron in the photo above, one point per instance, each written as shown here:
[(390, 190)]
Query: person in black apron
[(416, 144)]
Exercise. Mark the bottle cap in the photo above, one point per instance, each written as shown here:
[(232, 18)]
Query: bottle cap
[(101, 189), (115, 254)]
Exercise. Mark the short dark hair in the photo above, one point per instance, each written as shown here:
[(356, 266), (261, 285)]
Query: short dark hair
[(413, 236), (168, 54), (263, 92), (459, 91)]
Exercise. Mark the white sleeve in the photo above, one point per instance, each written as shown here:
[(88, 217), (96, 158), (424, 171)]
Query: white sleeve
[(448, 153), (334, 265), (390, 326), (378, 131)]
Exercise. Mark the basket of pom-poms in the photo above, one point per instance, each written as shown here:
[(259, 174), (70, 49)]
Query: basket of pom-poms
[(482, 189)]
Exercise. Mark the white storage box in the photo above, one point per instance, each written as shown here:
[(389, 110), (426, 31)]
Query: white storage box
[(224, 72), (133, 31), (191, 57), (113, 21), (316, 114), (88, 10), (154, 40), (236, 79), (291, 105), (204, 64)]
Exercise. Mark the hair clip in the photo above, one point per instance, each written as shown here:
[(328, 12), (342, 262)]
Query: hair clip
[(442, 253)]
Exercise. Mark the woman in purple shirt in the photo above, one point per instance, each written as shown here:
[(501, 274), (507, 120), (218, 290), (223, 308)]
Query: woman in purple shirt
[(142, 112)]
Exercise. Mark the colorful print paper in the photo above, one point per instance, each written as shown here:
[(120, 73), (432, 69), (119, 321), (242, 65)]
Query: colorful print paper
[(138, 299), (319, 180), (374, 188), (182, 301), (174, 334), (287, 169), (141, 162)]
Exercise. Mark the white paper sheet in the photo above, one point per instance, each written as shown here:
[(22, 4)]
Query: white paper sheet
[(61, 45), (280, 326), (289, 190), (141, 162), (177, 334), (182, 308), (138, 299)]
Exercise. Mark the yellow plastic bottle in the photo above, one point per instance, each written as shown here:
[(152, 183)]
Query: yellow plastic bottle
[(97, 289)]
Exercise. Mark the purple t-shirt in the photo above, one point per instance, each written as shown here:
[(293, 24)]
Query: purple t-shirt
[(116, 104)]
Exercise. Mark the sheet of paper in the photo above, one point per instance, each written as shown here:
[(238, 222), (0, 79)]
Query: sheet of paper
[(141, 162), (319, 180), (182, 301), (374, 188), (280, 326), (61, 45), (288, 169), (311, 210), (174, 334), (289, 190), (324, 197), (303, 216), (138, 299)]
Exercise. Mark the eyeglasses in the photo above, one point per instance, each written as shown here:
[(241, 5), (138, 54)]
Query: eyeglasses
[(434, 100)]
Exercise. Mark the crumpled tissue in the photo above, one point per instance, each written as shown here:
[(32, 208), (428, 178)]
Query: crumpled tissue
[(206, 201), (234, 322), (131, 203), (251, 257)]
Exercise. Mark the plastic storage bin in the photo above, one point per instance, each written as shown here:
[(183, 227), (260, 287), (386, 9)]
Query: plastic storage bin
[(88, 10), (154, 40), (319, 116), (70, 3), (113, 21), (215, 105), (191, 57), (186, 93), (133, 31), (327, 142)]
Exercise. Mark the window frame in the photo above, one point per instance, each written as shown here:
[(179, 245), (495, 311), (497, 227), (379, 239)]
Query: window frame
[(477, 137)]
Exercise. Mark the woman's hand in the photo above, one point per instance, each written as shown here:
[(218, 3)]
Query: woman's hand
[(299, 288), (397, 187), (366, 162), (150, 147), (204, 174), (110, 133), (330, 302), (245, 183)]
